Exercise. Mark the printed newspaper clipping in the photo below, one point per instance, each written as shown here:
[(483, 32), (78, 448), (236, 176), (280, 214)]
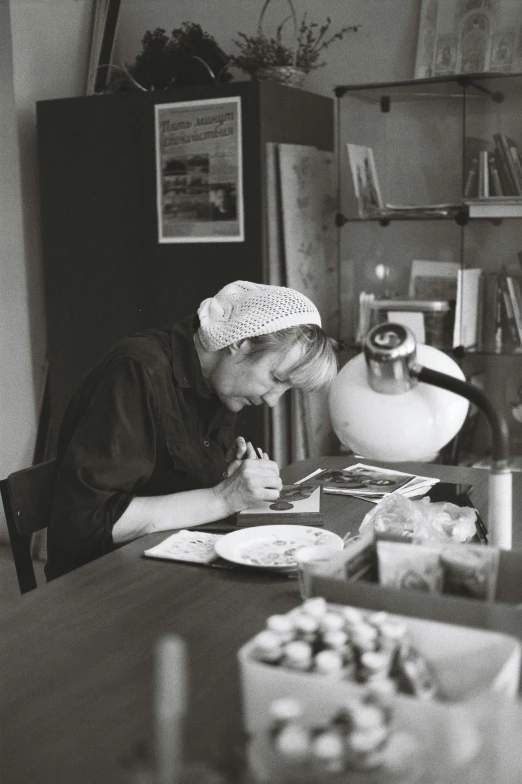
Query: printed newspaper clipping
[(199, 171)]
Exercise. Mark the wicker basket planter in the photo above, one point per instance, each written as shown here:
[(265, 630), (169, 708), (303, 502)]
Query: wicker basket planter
[(287, 61), (286, 74)]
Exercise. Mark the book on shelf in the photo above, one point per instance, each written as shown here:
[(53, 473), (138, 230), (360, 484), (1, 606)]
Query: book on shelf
[(495, 207), (470, 187), (495, 186), (507, 150), (502, 313), (492, 168), (483, 175), (513, 288), (483, 178), (513, 151), (466, 327), (512, 318), (506, 185), (474, 147), (492, 320)]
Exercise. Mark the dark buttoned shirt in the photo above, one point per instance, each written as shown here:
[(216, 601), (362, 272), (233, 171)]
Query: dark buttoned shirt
[(143, 422)]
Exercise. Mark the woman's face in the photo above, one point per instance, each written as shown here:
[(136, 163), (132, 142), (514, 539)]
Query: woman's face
[(241, 380)]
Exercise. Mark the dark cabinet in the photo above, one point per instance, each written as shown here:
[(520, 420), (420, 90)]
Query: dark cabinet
[(105, 273)]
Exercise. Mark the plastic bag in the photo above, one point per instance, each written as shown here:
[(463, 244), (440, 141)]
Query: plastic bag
[(394, 514), (421, 521), (449, 522)]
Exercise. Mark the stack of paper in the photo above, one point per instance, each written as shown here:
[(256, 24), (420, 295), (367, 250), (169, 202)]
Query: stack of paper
[(370, 482)]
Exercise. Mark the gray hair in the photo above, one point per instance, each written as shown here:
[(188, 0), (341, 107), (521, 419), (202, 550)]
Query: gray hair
[(317, 367)]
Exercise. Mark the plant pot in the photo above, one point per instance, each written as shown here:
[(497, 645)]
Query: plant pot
[(286, 74)]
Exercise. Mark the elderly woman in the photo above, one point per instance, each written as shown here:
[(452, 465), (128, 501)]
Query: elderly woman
[(147, 442)]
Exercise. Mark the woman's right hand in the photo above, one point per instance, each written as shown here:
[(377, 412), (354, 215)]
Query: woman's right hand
[(251, 482)]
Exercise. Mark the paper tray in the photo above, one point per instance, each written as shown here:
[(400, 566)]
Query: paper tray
[(466, 663)]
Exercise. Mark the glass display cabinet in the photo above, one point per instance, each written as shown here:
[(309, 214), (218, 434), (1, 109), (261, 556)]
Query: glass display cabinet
[(429, 202)]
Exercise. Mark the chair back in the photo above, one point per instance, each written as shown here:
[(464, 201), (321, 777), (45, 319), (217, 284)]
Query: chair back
[(27, 496)]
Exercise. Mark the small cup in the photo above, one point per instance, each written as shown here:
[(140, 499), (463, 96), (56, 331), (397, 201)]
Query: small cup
[(313, 560)]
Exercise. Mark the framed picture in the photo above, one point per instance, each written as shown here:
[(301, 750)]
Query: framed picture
[(199, 177), (433, 280), (105, 15), (468, 36), (365, 181)]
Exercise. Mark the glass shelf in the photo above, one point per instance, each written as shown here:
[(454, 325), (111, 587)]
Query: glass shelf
[(458, 352), (492, 86), (460, 216), (423, 154), (482, 352), (385, 220)]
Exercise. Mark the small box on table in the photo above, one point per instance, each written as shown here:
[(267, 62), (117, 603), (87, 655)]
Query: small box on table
[(503, 614)]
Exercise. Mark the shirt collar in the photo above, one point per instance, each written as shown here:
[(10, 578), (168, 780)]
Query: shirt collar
[(185, 361)]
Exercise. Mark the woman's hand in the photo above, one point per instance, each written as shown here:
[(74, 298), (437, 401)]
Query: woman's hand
[(249, 481), (242, 450)]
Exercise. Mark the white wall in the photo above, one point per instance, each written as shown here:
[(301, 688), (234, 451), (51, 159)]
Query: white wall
[(17, 388), (43, 54), (50, 45), (383, 48)]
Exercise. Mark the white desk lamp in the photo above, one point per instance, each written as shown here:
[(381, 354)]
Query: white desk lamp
[(384, 405)]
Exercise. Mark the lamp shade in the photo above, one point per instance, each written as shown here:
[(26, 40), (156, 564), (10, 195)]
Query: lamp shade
[(414, 425)]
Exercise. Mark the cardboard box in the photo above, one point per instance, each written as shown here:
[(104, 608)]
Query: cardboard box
[(502, 615), (465, 662)]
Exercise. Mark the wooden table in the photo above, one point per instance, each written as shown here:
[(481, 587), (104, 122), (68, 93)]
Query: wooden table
[(76, 655)]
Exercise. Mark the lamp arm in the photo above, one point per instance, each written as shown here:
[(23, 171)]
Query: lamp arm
[(500, 481), (498, 424), (390, 351)]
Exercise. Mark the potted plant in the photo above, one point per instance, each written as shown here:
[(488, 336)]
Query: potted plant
[(265, 57), (188, 56)]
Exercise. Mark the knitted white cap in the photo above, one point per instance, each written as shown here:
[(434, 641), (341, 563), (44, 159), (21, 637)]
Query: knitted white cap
[(243, 310)]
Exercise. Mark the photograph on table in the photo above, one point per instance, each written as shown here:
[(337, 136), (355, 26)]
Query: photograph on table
[(371, 483), (362, 479)]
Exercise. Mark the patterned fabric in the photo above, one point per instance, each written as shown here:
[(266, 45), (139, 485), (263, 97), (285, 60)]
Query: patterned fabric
[(244, 310)]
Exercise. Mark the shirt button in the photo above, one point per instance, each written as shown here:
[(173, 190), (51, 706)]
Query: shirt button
[(206, 443), (225, 475)]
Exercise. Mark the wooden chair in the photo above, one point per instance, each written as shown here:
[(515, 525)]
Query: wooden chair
[(27, 496)]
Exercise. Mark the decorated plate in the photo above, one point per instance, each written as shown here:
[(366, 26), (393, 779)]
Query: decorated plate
[(272, 546)]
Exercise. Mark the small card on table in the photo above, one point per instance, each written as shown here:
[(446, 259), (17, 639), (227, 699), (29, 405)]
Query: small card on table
[(191, 546)]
